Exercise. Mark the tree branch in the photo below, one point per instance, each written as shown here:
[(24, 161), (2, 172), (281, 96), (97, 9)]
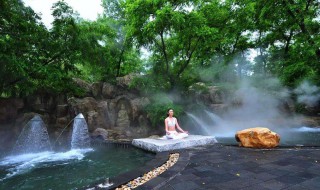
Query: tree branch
[(288, 39), (164, 52), (119, 61), (49, 61), (302, 26), (186, 63)]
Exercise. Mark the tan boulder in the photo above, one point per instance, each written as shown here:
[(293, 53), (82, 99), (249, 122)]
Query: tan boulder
[(100, 133), (258, 137)]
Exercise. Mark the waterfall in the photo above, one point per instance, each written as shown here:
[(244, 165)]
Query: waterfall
[(80, 135), (203, 126), (214, 118), (33, 138)]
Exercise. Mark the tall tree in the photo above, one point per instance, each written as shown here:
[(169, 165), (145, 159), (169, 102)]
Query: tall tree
[(288, 38), (21, 35), (174, 31), (33, 58)]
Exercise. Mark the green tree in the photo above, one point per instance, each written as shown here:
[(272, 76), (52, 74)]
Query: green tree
[(106, 49), (289, 39), (19, 52), (32, 57), (173, 31)]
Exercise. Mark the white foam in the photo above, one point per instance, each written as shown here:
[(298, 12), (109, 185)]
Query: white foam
[(79, 116), (23, 163)]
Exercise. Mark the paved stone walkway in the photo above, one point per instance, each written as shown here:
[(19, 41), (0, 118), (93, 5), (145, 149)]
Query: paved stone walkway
[(231, 167)]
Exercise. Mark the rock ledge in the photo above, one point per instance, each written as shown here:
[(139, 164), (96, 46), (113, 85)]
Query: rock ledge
[(160, 145)]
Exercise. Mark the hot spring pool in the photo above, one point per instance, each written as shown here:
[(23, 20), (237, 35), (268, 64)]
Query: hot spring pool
[(301, 136), (68, 170)]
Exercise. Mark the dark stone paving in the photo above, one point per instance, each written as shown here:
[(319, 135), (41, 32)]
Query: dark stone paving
[(231, 167)]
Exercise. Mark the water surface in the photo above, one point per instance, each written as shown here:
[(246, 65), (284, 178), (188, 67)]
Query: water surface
[(68, 170)]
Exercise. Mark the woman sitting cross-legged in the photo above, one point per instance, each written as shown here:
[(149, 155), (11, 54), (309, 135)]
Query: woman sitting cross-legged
[(171, 123)]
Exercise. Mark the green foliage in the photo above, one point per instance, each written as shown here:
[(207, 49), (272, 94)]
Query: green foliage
[(174, 35), (188, 41), (89, 72), (149, 84), (157, 110), (199, 88), (106, 48), (33, 58)]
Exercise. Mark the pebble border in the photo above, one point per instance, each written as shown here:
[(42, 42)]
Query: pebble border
[(124, 178), (154, 183), (173, 158)]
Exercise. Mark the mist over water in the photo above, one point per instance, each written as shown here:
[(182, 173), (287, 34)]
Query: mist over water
[(265, 104), (308, 94)]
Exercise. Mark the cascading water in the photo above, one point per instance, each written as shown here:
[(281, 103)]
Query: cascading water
[(221, 127), (80, 135), (33, 138), (214, 118), (33, 150), (200, 123)]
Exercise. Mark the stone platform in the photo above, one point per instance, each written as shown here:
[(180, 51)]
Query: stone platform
[(161, 145)]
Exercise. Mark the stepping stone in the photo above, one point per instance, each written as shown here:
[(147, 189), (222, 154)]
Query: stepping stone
[(161, 145)]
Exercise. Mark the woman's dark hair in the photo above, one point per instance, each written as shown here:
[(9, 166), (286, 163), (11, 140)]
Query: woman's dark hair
[(168, 111)]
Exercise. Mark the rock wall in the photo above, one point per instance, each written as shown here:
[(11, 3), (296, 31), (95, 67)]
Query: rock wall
[(112, 112), (210, 96)]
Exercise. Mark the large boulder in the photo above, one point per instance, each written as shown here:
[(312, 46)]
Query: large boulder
[(100, 133), (258, 137), (83, 105), (95, 112)]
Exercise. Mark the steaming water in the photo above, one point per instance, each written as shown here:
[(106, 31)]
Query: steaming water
[(302, 136), (225, 130), (68, 170), (80, 133), (33, 138)]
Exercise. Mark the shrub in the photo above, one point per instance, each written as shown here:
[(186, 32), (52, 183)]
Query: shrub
[(157, 110)]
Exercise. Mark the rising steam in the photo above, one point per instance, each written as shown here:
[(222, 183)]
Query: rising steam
[(308, 94)]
